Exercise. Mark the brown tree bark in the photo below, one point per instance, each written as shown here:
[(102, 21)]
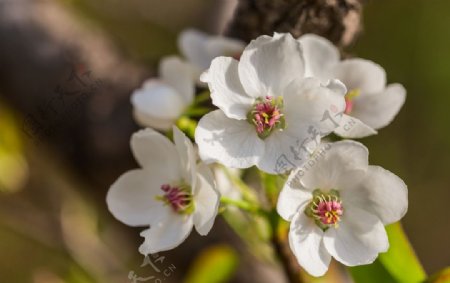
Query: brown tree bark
[(337, 20)]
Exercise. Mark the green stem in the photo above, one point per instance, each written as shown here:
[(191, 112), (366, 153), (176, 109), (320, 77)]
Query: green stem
[(187, 125), (196, 111), (242, 204), (247, 192), (202, 97)]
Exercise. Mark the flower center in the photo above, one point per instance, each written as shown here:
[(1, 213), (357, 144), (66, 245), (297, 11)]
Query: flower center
[(349, 100), (267, 115), (179, 197), (325, 208)]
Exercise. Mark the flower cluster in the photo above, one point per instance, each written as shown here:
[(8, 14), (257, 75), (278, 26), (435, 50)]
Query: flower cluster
[(160, 102), (339, 208), (277, 99)]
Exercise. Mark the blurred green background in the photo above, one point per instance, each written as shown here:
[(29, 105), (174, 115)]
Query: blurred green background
[(54, 225), (411, 40)]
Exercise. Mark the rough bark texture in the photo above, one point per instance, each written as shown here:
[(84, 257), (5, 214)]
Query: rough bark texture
[(337, 20)]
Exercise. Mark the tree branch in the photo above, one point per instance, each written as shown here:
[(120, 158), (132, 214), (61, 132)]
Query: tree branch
[(337, 20), (288, 261)]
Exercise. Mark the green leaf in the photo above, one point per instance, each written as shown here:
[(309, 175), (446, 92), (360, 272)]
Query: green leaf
[(374, 273), (401, 260), (216, 264)]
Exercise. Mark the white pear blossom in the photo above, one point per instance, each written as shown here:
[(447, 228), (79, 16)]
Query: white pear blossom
[(200, 48), (161, 101), (269, 113), (371, 105), (338, 207), (170, 193)]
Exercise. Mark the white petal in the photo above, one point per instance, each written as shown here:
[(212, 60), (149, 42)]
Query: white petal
[(336, 86), (223, 46), (308, 113), (360, 74), (187, 155), (382, 193), (224, 183), (351, 127), (207, 201), (308, 110), (281, 152), (268, 65), (131, 199), (147, 120), (179, 75), (227, 92), (293, 197), (340, 165), (153, 151), (167, 234), (359, 238), (233, 143), (158, 100), (309, 104), (320, 55), (192, 44), (306, 241), (379, 109)]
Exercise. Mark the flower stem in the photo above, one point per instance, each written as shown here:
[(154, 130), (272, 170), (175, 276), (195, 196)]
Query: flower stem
[(242, 204), (247, 192), (197, 111), (272, 185)]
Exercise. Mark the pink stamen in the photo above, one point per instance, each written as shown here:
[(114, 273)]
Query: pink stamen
[(329, 211), (348, 105), (266, 115), (177, 197), (165, 188)]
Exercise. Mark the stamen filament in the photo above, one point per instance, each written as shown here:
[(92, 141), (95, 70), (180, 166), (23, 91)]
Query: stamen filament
[(178, 197), (325, 208)]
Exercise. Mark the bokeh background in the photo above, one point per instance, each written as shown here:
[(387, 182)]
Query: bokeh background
[(63, 143)]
